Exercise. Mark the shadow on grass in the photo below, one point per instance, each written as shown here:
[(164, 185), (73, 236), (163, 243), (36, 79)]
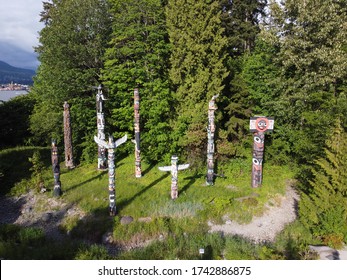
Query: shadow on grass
[(45, 238), (192, 180), (10, 209), (126, 202), (92, 227), (149, 168), (102, 173)]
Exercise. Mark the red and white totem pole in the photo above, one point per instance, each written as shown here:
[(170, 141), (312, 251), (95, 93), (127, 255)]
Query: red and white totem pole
[(138, 172), (102, 162), (259, 125), (174, 174), (56, 169), (69, 162), (111, 146), (211, 128)]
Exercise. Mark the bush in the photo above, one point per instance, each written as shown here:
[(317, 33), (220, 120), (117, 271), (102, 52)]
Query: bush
[(94, 252)]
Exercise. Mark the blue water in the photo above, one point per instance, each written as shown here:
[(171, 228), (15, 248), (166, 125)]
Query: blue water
[(6, 95)]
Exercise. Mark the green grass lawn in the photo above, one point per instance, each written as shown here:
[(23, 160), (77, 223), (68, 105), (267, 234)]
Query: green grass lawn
[(182, 223), (149, 196)]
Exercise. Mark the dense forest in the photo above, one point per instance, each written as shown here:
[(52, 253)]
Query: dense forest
[(282, 59)]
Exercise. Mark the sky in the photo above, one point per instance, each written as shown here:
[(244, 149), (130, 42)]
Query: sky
[(19, 27)]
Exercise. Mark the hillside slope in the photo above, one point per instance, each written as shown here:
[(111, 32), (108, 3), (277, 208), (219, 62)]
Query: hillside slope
[(13, 74)]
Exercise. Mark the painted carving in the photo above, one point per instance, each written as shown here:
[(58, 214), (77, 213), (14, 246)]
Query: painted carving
[(174, 174), (111, 146), (259, 125), (102, 162), (69, 162), (138, 172), (210, 140), (56, 169)]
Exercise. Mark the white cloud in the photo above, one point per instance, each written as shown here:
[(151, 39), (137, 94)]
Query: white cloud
[(19, 27)]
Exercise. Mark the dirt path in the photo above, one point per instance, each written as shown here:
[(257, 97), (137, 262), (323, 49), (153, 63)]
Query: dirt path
[(38, 210), (47, 213), (266, 227)]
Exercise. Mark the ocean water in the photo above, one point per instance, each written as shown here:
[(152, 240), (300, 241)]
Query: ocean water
[(6, 95)]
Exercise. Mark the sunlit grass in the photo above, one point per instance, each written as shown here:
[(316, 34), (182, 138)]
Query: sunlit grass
[(147, 200)]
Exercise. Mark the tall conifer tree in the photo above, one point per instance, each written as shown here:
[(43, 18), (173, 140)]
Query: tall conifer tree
[(138, 57), (197, 68), (71, 51), (323, 208), (240, 20)]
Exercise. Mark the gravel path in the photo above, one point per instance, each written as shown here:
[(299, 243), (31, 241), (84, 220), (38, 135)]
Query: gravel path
[(47, 213), (266, 227)]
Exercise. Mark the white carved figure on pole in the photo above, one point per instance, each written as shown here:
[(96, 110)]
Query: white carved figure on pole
[(211, 128), (174, 174), (69, 162), (111, 146), (102, 162), (259, 125), (56, 169), (138, 172)]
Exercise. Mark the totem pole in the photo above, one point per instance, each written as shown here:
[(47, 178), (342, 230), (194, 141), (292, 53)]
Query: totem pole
[(56, 169), (174, 174), (210, 140), (259, 125), (102, 164), (137, 133), (110, 146), (67, 137)]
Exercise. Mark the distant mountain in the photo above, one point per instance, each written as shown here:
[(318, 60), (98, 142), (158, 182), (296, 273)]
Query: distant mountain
[(13, 74)]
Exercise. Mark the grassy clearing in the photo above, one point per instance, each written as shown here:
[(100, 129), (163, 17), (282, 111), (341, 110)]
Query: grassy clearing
[(162, 228), (149, 196), (14, 165)]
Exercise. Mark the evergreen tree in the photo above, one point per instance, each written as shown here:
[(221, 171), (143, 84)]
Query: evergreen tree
[(70, 51), (240, 19), (312, 37), (197, 69), (323, 208), (254, 91), (138, 57)]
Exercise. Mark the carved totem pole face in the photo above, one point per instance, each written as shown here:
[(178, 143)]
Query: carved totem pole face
[(259, 125)]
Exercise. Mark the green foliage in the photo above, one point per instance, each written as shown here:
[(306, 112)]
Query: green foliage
[(37, 168), (94, 252), (182, 245), (197, 70), (323, 207), (17, 243), (14, 120), (240, 19), (237, 248), (15, 165), (312, 60), (137, 56), (293, 242), (71, 49)]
